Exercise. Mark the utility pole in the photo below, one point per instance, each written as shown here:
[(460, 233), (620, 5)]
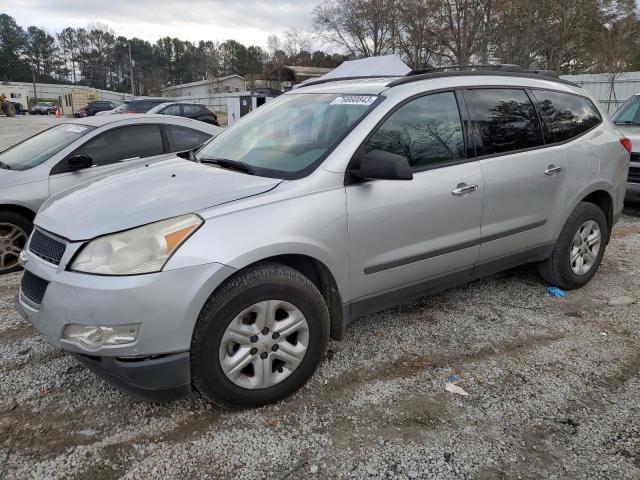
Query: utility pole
[(35, 94), (131, 69)]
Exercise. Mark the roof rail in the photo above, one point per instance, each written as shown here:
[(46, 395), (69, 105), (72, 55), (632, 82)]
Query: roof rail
[(502, 67), (486, 70)]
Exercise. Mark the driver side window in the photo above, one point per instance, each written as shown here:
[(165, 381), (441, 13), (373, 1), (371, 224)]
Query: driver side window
[(123, 143), (426, 131)]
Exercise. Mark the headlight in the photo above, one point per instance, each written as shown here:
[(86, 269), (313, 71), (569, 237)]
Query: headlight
[(95, 336), (141, 250)]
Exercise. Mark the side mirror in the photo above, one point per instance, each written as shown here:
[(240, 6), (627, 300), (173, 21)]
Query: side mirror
[(381, 165), (79, 162)]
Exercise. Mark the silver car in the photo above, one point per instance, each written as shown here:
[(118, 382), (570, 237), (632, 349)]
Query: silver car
[(74, 152), (627, 119), (228, 275)]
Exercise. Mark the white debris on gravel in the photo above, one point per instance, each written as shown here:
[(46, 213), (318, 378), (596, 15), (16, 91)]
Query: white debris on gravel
[(551, 397)]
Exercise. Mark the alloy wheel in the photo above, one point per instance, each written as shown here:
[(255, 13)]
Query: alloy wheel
[(585, 247), (264, 344), (12, 241)]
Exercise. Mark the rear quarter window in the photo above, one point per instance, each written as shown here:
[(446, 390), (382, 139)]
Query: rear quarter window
[(567, 116)]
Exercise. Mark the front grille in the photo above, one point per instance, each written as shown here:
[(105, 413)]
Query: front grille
[(33, 287), (46, 247), (634, 175)]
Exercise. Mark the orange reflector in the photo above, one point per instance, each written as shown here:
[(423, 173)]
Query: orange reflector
[(174, 239)]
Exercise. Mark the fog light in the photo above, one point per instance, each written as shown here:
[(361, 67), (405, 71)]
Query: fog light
[(95, 336)]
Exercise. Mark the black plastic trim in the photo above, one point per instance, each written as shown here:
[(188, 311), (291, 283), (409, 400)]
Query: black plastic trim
[(450, 249), (161, 379), (363, 306), (513, 231)]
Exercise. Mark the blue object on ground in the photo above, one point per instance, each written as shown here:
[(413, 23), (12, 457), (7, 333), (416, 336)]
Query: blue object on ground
[(453, 378), (556, 292)]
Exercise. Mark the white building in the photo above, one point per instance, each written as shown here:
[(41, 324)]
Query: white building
[(63, 95), (205, 88)]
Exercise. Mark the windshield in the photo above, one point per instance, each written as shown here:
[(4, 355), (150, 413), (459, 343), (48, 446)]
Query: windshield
[(288, 137), (39, 148), (629, 113)]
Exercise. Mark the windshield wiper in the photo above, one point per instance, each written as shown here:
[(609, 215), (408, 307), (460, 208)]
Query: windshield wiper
[(626, 122), (4, 165), (230, 164)]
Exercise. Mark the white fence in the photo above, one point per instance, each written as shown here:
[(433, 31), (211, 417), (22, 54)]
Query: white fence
[(611, 93)]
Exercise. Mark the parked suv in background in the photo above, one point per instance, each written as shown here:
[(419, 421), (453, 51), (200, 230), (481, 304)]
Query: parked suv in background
[(627, 119), (43, 108), (337, 199), (142, 105), (195, 111), (92, 108)]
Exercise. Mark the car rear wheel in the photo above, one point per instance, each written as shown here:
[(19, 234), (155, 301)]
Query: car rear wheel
[(14, 232), (579, 250), (259, 337)]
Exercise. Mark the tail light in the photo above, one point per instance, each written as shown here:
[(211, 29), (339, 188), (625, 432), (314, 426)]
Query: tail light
[(626, 143)]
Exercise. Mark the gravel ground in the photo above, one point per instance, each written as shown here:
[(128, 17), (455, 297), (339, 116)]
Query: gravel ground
[(553, 393)]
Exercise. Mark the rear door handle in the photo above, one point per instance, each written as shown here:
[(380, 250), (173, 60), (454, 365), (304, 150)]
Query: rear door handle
[(552, 170), (464, 189)]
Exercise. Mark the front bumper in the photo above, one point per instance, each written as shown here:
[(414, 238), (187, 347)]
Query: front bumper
[(160, 379), (165, 304)]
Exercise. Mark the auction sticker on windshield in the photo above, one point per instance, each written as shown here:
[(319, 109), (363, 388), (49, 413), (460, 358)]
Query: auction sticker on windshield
[(355, 100)]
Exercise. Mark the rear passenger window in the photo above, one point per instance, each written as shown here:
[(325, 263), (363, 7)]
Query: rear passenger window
[(172, 110), (182, 138), (427, 131), (568, 116), (506, 118)]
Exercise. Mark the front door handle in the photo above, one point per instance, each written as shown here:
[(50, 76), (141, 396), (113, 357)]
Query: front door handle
[(552, 170), (464, 189)]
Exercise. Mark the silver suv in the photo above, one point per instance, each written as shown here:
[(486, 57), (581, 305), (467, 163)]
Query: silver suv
[(228, 274), (627, 119)]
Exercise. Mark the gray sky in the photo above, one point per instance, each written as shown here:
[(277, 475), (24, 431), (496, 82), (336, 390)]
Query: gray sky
[(247, 21)]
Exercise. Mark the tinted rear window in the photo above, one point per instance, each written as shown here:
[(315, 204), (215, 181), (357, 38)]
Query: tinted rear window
[(506, 118), (567, 116)]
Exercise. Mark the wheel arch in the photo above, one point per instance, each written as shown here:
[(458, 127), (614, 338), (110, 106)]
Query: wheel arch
[(319, 274), (604, 201), (19, 209), (599, 194)]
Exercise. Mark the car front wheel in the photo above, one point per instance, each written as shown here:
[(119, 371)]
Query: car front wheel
[(259, 337), (14, 232)]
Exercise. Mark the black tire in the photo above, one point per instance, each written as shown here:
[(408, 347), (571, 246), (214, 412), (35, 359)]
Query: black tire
[(557, 268), (264, 281), (19, 221)]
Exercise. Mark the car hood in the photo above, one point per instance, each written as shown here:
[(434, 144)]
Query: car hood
[(143, 195)]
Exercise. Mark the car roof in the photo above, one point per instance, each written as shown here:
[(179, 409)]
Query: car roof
[(436, 81), (101, 120)]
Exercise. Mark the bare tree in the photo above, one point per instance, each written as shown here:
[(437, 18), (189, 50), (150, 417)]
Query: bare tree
[(364, 28), (417, 33), (464, 25)]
